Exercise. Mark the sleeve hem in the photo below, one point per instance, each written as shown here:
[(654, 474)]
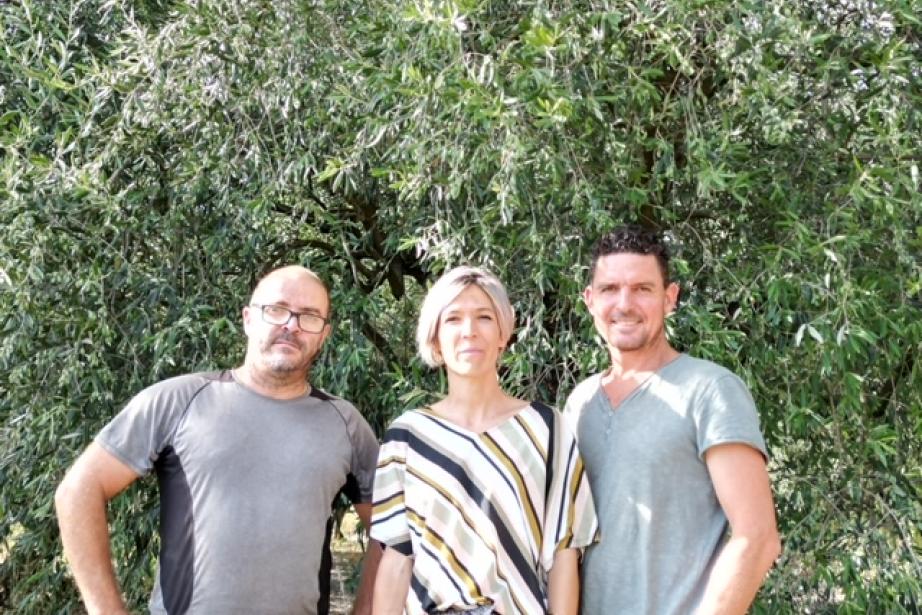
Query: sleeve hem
[(404, 547), (140, 471), (732, 440)]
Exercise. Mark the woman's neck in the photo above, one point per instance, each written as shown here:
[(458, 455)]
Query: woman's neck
[(476, 403)]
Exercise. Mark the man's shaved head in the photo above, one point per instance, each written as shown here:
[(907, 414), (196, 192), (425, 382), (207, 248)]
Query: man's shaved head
[(288, 272)]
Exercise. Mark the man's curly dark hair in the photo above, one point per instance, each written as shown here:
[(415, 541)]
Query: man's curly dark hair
[(631, 239)]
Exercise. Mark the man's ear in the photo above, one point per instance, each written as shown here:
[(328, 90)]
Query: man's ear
[(672, 297), (587, 296), (327, 330)]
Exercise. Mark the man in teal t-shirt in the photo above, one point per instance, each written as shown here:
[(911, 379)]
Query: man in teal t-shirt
[(673, 452)]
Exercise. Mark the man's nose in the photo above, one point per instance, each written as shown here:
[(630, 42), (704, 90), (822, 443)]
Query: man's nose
[(292, 324), (623, 297)]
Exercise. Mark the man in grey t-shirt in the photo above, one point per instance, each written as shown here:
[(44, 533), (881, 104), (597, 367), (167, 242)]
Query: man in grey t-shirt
[(673, 452), (249, 463)]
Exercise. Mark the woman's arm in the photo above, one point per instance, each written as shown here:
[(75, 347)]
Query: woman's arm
[(392, 583), (563, 583)]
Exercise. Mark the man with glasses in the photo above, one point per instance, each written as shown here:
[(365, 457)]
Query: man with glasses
[(249, 462)]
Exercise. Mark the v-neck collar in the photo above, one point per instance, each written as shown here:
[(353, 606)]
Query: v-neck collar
[(636, 391)]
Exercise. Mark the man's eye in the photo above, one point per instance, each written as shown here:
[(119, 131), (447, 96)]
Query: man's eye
[(274, 310)]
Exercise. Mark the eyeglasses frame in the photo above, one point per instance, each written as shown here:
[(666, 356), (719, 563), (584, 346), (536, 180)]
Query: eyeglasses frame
[(291, 313)]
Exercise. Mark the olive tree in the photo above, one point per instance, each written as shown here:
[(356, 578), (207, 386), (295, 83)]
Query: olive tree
[(158, 157)]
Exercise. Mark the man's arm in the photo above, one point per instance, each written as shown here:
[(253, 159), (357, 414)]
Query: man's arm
[(563, 583), (370, 563), (741, 481), (94, 479)]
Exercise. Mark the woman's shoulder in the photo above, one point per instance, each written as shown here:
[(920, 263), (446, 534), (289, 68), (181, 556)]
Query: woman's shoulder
[(541, 410), (405, 428), (534, 417), (413, 419)]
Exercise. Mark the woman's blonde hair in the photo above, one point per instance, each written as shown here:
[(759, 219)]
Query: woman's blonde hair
[(444, 291)]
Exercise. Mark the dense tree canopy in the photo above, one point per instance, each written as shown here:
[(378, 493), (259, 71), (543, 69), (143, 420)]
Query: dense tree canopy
[(157, 157)]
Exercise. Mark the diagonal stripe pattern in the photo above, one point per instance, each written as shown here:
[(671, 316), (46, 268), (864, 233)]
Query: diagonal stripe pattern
[(479, 512)]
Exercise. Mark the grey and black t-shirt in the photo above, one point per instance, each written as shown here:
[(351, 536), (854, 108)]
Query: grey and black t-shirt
[(246, 489)]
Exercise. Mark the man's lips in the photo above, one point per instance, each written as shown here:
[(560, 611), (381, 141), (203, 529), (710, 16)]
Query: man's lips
[(626, 321), (286, 342)]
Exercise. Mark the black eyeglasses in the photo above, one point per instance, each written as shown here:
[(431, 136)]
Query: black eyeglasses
[(278, 315)]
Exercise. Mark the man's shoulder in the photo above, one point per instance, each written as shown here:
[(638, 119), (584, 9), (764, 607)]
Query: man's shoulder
[(700, 379), (341, 404), (346, 409), (695, 370), (185, 385), (582, 393), (145, 426)]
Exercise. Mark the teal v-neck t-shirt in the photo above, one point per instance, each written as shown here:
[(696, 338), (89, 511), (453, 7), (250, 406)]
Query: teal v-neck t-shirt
[(661, 524)]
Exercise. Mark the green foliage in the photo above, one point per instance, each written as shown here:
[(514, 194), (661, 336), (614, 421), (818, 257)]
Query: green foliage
[(157, 157)]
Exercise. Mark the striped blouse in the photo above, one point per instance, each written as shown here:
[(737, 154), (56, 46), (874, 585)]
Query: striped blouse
[(480, 513)]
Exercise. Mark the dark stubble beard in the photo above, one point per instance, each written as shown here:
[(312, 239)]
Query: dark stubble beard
[(284, 366), (637, 343)]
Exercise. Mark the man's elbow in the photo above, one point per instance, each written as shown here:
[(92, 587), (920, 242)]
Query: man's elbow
[(77, 491), (66, 495), (759, 546), (767, 545), (773, 548)]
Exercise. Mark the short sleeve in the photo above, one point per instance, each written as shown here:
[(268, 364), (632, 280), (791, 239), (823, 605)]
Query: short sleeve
[(144, 428), (389, 522), (570, 517), (364, 457), (726, 413)]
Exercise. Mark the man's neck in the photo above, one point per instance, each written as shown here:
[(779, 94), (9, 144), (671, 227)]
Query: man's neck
[(271, 385), (630, 370), (639, 363)]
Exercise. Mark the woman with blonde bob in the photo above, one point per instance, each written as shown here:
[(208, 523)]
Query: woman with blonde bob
[(480, 499)]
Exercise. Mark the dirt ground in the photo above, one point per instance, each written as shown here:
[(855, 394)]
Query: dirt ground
[(347, 553)]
